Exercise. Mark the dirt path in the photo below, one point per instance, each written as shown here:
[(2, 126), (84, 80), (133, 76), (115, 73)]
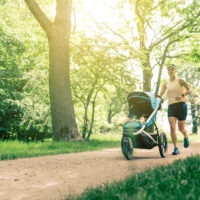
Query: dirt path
[(53, 177)]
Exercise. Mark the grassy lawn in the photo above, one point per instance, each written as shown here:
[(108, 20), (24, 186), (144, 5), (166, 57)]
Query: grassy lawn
[(192, 137), (16, 149), (180, 180)]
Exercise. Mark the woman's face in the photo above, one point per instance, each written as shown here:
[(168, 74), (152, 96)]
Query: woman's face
[(171, 71)]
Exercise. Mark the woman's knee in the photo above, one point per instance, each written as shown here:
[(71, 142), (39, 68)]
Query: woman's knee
[(181, 128), (173, 126)]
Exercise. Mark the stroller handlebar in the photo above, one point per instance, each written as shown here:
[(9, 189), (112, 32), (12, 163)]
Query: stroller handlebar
[(158, 96), (161, 100)]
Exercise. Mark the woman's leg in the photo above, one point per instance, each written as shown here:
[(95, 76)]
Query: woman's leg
[(181, 126), (172, 123)]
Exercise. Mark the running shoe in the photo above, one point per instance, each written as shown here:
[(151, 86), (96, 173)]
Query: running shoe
[(176, 151), (186, 142)]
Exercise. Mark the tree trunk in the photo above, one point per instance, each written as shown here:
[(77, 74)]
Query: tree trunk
[(144, 52), (159, 79), (92, 120), (194, 119), (58, 33), (85, 122), (161, 65), (147, 79), (147, 72), (109, 118), (89, 96), (62, 110)]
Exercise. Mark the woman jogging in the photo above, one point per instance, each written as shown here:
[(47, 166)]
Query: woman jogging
[(176, 91)]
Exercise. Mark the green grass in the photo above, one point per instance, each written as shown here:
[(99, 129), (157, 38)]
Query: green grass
[(192, 137), (16, 149), (180, 180)]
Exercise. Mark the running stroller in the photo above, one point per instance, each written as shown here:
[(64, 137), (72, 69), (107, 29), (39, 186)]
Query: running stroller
[(144, 135)]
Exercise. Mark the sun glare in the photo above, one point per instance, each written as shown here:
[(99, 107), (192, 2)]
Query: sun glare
[(98, 9)]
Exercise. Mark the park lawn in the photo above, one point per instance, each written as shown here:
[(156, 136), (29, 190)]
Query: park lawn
[(17, 149), (179, 180), (192, 137)]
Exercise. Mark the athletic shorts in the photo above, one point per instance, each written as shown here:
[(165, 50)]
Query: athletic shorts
[(178, 110)]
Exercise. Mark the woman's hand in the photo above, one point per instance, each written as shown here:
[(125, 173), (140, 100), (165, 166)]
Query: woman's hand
[(178, 98)]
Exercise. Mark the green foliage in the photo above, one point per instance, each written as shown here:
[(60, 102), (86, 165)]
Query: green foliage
[(24, 102), (181, 178), (195, 51), (10, 108), (100, 76)]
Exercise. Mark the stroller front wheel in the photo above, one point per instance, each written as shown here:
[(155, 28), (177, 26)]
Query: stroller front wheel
[(127, 147), (162, 144)]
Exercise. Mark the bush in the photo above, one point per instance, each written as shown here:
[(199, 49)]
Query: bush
[(15, 123)]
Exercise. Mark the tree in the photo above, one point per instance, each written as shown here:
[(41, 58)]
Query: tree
[(124, 82), (93, 64), (146, 11), (153, 25), (97, 70), (58, 34)]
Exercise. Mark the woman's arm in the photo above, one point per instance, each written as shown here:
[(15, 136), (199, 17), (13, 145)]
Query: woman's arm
[(186, 86), (163, 89)]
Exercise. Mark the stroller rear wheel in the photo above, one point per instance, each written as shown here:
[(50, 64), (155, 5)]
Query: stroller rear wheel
[(127, 147), (162, 144)]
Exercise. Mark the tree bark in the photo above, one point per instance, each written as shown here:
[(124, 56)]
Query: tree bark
[(93, 112), (194, 119), (109, 117), (85, 122), (144, 53), (58, 33), (161, 66), (62, 110), (147, 72)]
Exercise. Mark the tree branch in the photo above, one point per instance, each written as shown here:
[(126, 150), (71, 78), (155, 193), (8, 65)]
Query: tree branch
[(115, 33), (138, 12), (164, 56), (185, 25), (39, 15), (179, 55)]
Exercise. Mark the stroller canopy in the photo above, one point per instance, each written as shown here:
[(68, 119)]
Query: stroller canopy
[(142, 103)]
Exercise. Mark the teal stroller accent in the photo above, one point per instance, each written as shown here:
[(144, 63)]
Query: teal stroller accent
[(144, 135)]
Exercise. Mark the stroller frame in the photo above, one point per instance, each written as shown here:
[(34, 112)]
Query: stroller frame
[(161, 141)]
